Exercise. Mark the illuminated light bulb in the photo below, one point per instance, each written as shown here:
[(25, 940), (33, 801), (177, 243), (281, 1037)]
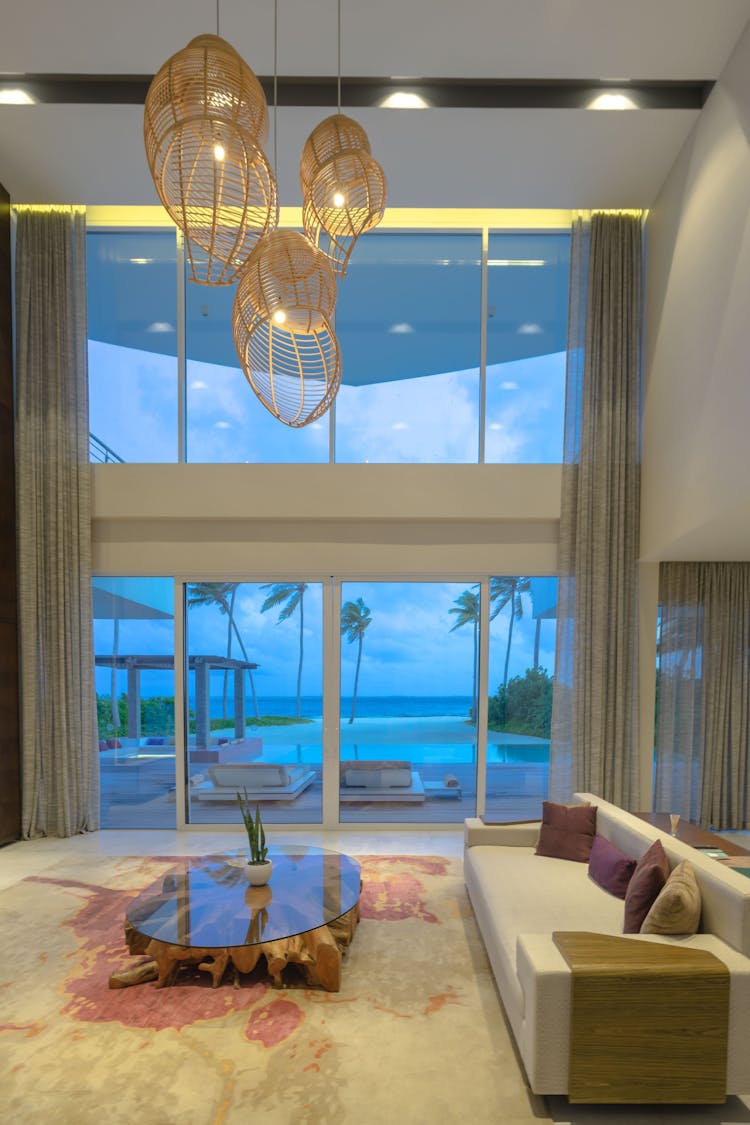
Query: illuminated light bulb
[(279, 316), (339, 199), (219, 152)]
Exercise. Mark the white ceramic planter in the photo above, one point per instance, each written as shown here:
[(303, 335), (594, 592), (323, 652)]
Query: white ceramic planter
[(258, 874)]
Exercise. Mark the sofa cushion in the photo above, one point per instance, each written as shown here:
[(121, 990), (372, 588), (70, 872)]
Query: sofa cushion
[(650, 875), (610, 868), (677, 908), (253, 775), (378, 778), (567, 831)]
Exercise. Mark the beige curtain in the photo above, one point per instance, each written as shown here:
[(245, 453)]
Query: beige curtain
[(58, 731), (703, 693), (594, 742)]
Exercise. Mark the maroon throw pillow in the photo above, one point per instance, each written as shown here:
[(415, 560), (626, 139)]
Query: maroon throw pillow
[(610, 868), (650, 875), (567, 831)]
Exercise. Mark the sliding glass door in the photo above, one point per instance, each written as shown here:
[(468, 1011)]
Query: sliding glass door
[(408, 723), (254, 674)]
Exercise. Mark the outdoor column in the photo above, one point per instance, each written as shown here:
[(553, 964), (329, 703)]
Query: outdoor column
[(239, 703), (202, 704), (134, 699)]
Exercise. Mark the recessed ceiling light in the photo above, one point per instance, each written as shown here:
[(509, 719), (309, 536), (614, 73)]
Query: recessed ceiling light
[(141, 261), (496, 426), (402, 329), (222, 425), (16, 97), (161, 326), (529, 329), (612, 101), (516, 262), (198, 385), (401, 99), (509, 386)]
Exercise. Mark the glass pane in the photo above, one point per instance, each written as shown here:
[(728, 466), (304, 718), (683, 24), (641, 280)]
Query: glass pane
[(523, 620), (527, 312), (134, 672), (226, 422), (255, 700), (408, 681), (132, 327), (408, 322)]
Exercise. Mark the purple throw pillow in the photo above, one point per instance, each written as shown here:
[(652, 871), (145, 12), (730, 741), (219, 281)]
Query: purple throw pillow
[(567, 831), (610, 868), (650, 875)]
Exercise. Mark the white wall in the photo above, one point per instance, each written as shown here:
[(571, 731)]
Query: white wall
[(696, 457), (277, 521)]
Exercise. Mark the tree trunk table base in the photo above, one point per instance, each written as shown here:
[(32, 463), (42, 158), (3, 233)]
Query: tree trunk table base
[(318, 952)]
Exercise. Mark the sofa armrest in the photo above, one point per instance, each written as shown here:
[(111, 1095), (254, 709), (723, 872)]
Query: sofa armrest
[(524, 835)]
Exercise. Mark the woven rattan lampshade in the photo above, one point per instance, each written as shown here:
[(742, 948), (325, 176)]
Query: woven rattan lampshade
[(205, 122), (282, 328), (343, 188)]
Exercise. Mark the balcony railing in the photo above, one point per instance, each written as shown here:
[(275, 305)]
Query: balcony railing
[(99, 451)]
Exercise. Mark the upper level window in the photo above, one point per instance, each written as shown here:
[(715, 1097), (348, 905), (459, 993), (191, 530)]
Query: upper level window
[(226, 422), (132, 324), (527, 314), (409, 320)]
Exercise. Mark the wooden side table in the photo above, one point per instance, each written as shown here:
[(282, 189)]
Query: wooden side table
[(693, 834)]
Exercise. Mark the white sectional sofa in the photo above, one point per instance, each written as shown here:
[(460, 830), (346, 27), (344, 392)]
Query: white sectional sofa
[(520, 898)]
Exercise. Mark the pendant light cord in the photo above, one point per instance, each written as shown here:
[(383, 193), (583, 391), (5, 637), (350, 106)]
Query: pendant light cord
[(338, 85), (275, 84), (217, 18)]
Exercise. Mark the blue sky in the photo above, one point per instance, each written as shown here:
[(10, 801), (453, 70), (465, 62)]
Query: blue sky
[(408, 648)]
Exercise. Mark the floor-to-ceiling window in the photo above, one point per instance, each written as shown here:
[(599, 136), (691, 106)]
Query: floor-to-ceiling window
[(134, 672), (132, 353), (452, 345), (523, 619), (254, 671), (408, 741)]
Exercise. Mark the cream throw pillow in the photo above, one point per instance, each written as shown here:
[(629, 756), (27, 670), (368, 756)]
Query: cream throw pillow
[(677, 908)]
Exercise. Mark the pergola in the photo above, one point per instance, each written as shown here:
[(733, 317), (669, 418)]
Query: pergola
[(202, 666)]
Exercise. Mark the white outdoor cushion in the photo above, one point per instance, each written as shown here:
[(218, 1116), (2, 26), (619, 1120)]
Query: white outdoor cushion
[(378, 779)]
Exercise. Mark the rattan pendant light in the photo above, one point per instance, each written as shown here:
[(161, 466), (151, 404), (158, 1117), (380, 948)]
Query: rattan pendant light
[(205, 124), (343, 186), (283, 332)]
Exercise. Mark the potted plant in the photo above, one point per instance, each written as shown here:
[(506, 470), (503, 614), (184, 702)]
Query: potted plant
[(258, 867)]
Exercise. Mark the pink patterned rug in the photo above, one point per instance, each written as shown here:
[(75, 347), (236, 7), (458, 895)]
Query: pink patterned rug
[(416, 1033)]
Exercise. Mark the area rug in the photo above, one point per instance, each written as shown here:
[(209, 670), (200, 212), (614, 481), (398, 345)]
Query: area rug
[(415, 1035)]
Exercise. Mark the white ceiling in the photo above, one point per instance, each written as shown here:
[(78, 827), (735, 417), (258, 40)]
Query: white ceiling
[(438, 157)]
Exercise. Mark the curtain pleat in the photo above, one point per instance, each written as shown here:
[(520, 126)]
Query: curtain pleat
[(594, 743), (60, 779), (703, 693)]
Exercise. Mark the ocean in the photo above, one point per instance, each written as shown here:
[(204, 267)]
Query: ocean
[(368, 706)]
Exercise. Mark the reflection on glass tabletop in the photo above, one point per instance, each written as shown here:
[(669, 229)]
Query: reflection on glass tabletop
[(206, 901)]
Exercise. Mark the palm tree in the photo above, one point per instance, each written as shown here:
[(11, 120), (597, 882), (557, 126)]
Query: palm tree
[(506, 591), (293, 593), (355, 618), (467, 608), (223, 595)]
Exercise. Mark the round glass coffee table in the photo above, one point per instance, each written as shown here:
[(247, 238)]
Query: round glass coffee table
[(204, 912)]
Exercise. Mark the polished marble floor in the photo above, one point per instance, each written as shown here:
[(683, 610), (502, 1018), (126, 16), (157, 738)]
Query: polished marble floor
[(31, 857)]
